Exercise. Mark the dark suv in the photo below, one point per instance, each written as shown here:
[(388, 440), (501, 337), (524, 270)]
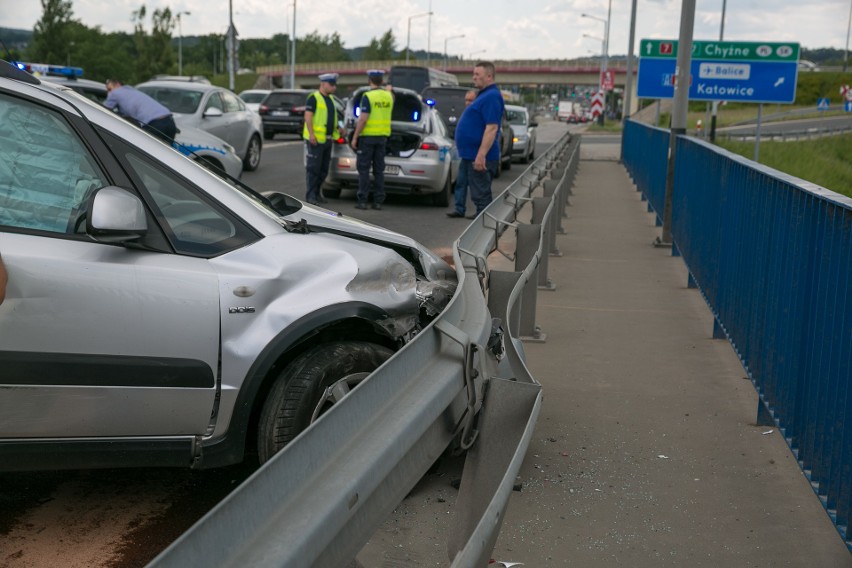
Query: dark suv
[(450, 103), (283, 110)]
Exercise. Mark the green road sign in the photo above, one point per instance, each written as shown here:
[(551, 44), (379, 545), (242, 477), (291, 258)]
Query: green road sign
[(722, 50)]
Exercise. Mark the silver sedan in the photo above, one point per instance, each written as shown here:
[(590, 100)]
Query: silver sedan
[(420, 160)]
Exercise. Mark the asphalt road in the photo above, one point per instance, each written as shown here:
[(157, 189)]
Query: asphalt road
[(123, 518)]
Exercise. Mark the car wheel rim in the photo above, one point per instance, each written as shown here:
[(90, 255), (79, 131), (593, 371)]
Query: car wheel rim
[(335, 392)]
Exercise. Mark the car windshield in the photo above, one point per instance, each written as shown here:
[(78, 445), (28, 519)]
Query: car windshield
[(517, 116), (180, 101), (253, 97)]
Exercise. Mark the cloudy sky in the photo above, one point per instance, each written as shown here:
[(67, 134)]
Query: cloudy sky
[(492, 29)]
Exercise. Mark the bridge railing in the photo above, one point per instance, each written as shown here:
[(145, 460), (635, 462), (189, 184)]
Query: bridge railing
[(772, 256)]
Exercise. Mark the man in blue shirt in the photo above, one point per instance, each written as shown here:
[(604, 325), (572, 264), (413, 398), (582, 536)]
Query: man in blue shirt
[(477, 136), (147, 112)]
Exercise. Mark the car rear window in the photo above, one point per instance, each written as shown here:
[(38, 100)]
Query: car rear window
[(286, 99), (176, 100), (407, 108)]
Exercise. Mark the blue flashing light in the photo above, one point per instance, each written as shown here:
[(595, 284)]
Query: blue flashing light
[(430, 102), (415, 116), (357, 111), (45, 69)]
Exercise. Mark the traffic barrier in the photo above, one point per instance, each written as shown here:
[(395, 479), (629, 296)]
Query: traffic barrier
[(463, 379), (771, 256)]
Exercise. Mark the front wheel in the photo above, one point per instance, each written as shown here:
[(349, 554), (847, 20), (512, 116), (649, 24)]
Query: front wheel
[(310, 385), (252, 159)]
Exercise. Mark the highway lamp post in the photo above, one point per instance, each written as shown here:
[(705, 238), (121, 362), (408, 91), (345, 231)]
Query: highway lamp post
[(180, 41), (445, 47), (293, 51), (408, 37), (604, 50), (470, 57), (848, 28)]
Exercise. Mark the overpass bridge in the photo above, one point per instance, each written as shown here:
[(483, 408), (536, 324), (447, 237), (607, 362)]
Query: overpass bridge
[(516, 73)]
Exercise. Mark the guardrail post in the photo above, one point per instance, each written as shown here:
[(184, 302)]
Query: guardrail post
[(527, 246), (553, 192), (539, 207), (500, 286)]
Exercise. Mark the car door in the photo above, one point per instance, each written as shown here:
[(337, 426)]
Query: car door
[(220, 125), (97, 340), (240, 120)]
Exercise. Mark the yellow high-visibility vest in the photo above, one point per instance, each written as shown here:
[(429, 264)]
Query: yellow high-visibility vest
[(381, 108), (320, 120)]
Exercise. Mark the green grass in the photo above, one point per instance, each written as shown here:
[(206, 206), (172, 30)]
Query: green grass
[(824, 161)]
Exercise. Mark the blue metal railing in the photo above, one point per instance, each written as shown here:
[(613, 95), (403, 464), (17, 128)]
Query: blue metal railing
[(647, 148), (772, 255)]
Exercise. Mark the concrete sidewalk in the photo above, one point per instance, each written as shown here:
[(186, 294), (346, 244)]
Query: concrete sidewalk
[(646, 452)]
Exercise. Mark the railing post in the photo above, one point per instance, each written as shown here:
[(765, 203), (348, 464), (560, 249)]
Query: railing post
[(527, 246), (539, 217), (500, 286), (553, 192)]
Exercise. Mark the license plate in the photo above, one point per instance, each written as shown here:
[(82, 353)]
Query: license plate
[(393, 170), (280, 113)]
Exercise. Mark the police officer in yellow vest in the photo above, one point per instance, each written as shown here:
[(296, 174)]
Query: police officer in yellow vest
[(319, 133), (370, 137)]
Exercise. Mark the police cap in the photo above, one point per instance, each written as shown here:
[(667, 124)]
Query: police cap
[(376, 73), (329, 78)]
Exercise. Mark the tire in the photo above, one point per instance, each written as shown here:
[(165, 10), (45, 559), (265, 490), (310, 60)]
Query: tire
[(331, 192), (252, 159), (442, 198), (300, 389)]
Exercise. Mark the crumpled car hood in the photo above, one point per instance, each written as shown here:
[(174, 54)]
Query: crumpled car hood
[(433, 266)]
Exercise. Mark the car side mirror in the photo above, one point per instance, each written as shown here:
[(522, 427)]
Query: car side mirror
[(213, 112), (115, 215)]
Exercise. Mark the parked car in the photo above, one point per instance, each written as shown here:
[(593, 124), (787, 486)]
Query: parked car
[(420, 159), (253, 97), (212, 109), (283, 110), (507, 144), (524, 129), (159, 315), (450, 103), (196, 144)]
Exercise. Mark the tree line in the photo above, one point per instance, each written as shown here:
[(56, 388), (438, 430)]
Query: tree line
[(60, 39)]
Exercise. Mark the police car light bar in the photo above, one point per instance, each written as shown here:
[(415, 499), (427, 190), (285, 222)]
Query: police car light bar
[(44, 69)]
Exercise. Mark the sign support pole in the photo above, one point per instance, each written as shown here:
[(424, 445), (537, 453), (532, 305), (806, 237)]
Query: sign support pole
[(679, 109)]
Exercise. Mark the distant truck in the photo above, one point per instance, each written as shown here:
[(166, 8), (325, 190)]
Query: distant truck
[(567, 110)]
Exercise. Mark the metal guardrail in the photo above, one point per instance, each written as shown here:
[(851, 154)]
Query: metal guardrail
[(318, 501), (772, 256), (807, 134)]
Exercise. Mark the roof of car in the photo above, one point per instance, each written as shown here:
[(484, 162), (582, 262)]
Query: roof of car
[(181, 85), (515, 107)]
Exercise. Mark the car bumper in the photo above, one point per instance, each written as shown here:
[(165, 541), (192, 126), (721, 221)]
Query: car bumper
[(406, 175), (287, 125)]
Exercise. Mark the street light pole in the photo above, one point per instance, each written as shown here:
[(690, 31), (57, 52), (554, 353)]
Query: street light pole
[(848, 27), (470, 57), (445, 47), (408, 37), (180, 42), (605, 51), (293, 51)]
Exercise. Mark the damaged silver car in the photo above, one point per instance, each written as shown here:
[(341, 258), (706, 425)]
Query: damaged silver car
[(159, 315)]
